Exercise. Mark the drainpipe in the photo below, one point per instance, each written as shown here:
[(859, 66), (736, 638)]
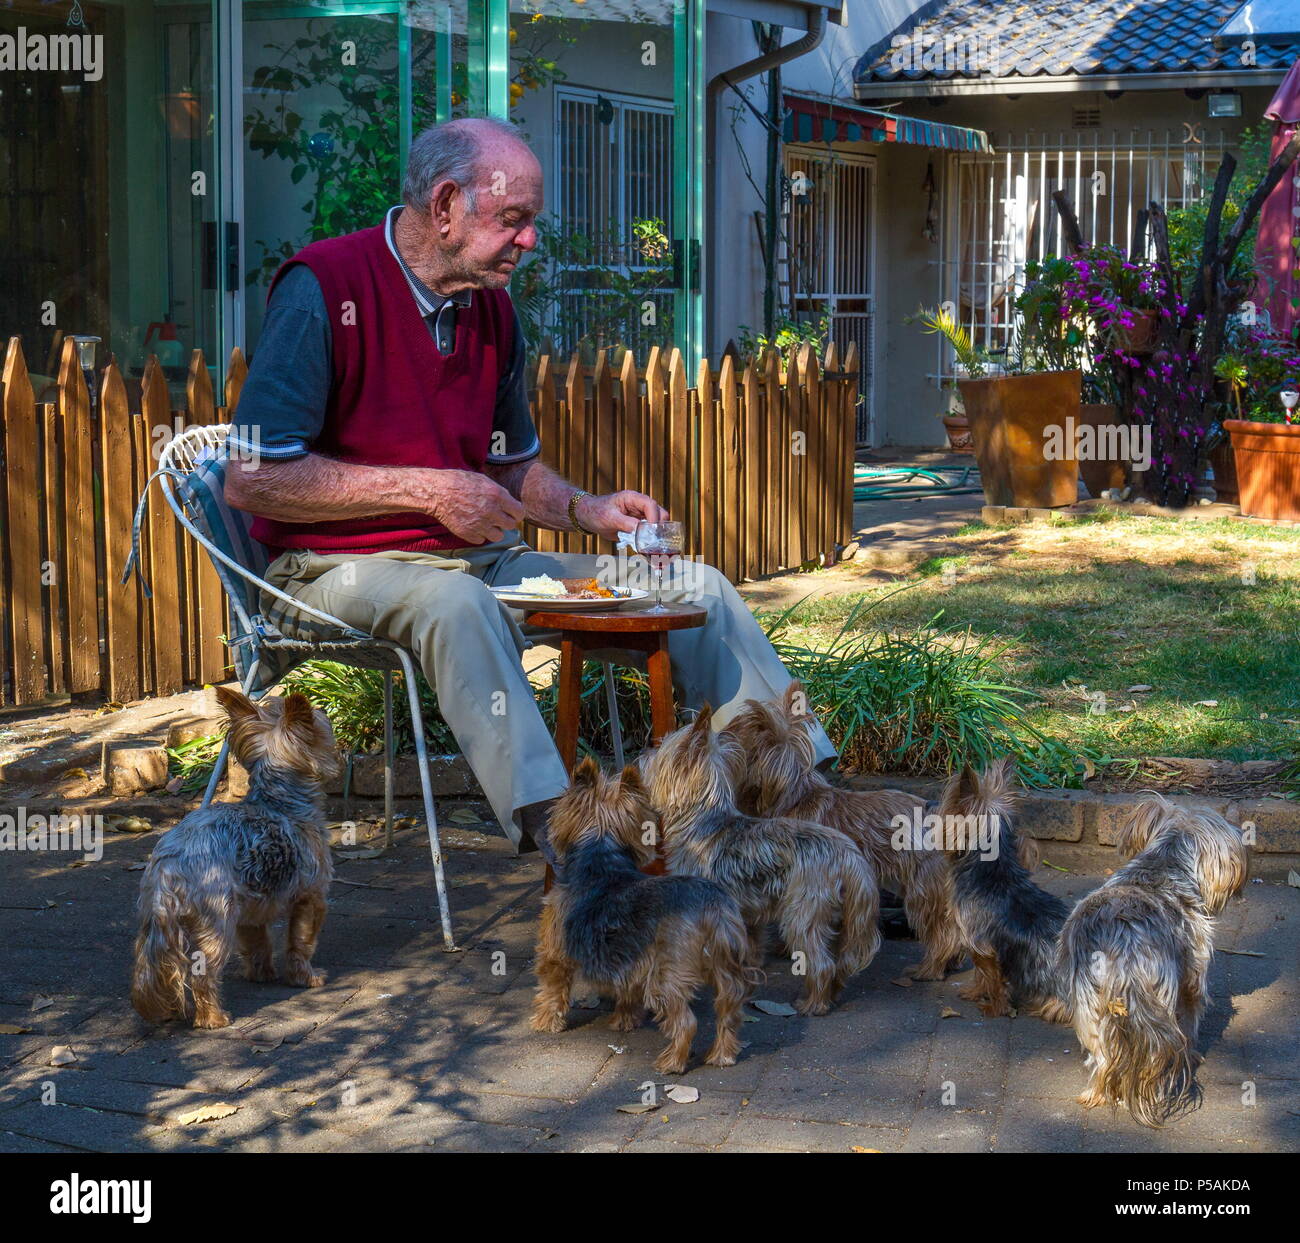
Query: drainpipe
[(816, 30)]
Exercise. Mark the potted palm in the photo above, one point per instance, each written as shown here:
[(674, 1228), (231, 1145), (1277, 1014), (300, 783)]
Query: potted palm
[(1017, 421)]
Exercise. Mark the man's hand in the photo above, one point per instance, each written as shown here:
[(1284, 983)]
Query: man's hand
[(618, 511), (471, 506)]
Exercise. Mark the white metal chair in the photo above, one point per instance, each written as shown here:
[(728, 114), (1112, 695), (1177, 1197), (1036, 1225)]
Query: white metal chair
[(191, 472)]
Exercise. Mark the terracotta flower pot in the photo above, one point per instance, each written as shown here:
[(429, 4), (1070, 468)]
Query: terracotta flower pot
[(1011, 418), (958, 428), (1141, 338), (1099, 474), (1268, 468)]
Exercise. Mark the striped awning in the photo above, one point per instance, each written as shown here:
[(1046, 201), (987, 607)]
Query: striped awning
[(809, 119)]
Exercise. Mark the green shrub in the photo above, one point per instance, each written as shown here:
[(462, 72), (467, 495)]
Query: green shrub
[(923, 703)]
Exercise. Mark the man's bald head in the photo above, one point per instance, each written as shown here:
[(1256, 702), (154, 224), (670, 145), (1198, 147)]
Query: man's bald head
[(466, 152), (475, 192)]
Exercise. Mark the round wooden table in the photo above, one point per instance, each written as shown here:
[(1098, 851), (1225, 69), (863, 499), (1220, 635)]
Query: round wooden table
[(633, 629)]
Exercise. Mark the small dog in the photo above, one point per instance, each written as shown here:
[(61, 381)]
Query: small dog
[(777, 776), (811, 880), (226, 872), (647, 940), (1008, 923), (1135, 953)]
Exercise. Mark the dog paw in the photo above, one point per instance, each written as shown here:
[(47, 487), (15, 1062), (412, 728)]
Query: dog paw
[(260, 974), (994, 1009), (1090, 1099), (667, 1064), (212, 1019), (924, 972), (621, 1022), (304, 977), (715, 1058), (811, 1008), (547, 1022), (972, 992)]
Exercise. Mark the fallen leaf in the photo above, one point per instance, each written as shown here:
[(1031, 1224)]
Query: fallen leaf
[(62, 1055), (750, 1018), (12, 1029), (206, 1113), (1293, 879), (1141, 686), (134, 867), (174, 785), (774, 1007), (1207, 703), (637, 1109), (618, 1048), (1089, 769), (859, 1148), (75, 772), (373, 853), (903, 981), (949, 1013), (41, 1002), (133, 824), (462, 815), (1244, 953), (681, 1094)]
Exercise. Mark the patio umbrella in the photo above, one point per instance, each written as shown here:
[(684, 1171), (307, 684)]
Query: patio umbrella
[(1275, 244)]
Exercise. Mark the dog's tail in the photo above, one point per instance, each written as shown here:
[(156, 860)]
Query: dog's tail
[(158, 979), (859, 913), (735, 973), (1144, 1060)]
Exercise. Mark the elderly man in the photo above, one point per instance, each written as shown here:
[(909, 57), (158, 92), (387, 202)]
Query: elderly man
[(396, 458)]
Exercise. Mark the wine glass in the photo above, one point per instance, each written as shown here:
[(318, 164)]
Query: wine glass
[(659, 543)]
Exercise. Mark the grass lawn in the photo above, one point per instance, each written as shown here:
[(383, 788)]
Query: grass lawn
[(1196, 610)]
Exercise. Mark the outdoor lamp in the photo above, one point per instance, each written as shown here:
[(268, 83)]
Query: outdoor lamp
[(86, 358), (1290, 399)]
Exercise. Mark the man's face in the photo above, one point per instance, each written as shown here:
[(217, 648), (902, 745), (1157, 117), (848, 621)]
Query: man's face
[(489, 241)]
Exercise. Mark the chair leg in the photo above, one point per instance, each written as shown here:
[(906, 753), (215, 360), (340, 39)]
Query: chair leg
[(615, 725), (219, 768), (430, 816), (388, 759)]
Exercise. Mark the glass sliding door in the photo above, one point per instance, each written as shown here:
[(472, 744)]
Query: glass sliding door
[(332, 94), (107, 193), (599, 91)]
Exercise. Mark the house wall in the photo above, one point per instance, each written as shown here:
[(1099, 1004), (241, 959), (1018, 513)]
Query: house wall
[(908, 275), (907, 401), (827, 70)]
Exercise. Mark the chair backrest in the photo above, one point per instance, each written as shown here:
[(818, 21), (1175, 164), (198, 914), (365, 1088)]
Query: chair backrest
[(193, 468)]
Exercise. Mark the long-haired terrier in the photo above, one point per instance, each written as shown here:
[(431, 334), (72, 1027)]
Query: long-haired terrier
[(777, 776), (225, 873), (649, 941), (810, 880), (1135, 953), (1008, 924)]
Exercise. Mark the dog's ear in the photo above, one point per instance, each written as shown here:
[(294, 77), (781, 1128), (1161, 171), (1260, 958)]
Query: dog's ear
[(587, 773), (1142, 824), (794, 702), (968, 783), (701, 725), (298, 710), (630, 779), (237, 705)]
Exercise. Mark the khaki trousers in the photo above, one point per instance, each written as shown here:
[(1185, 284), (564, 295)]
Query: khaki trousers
[(468, 644)]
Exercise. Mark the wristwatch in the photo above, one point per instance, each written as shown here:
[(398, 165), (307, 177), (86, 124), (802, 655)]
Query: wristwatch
[(573, 511)]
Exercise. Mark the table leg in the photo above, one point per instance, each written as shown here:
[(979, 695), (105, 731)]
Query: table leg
[(568, 703), (663, 716)]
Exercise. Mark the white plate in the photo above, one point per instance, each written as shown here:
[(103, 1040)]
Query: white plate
[(513, 597)]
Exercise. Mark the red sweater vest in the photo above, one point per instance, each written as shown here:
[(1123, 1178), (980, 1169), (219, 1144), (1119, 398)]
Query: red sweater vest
[(395, 400)]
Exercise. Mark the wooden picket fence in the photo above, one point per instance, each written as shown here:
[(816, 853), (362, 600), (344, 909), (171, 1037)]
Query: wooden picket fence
[(756, 460), (72, 476)]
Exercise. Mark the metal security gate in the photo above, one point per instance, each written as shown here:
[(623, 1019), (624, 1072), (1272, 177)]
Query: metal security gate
[(830, 255), (614, 157), (1000, 213)]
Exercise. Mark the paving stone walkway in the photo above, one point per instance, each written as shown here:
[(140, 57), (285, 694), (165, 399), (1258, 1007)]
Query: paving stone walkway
[(409, 1048)]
